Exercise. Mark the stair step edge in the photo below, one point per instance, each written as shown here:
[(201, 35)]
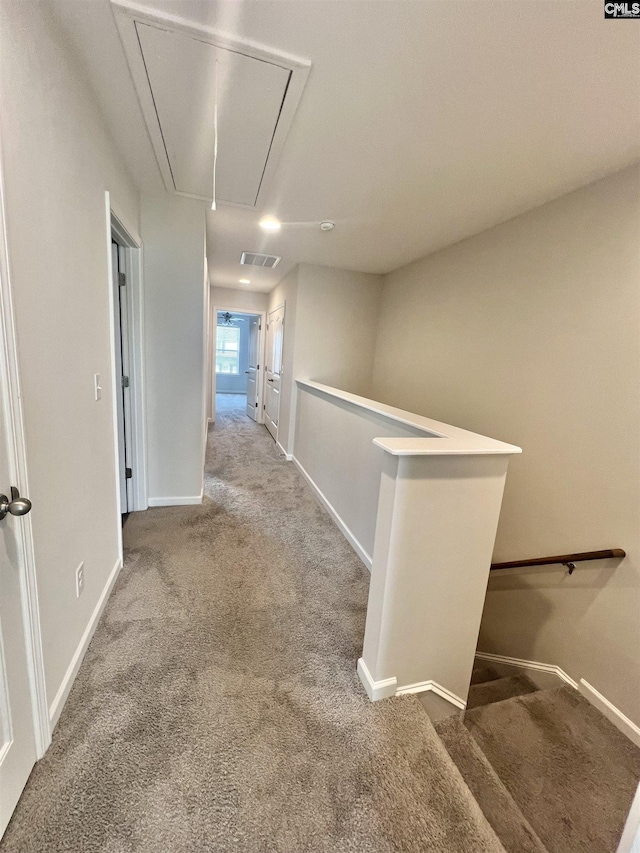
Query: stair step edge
[(518, 685), (493, 798), (484, 673)]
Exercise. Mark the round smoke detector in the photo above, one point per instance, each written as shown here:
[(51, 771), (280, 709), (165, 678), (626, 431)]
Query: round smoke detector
[(327, 225)]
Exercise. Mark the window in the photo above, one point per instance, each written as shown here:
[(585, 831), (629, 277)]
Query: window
[(228, 349)]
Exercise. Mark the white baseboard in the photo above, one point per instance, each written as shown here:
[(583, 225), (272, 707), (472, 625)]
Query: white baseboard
[(434, 687), (287, 456), (388, 687), (376, 690), (619, 720), (529, 664), (56, 706), (357, 547), (188, 500)]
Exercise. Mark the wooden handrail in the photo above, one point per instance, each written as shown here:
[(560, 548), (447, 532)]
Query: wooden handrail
[(568, 560)]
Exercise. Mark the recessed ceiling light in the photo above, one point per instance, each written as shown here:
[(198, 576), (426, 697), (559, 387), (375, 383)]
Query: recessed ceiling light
[(270, 223), (327, 225), (244, 281)]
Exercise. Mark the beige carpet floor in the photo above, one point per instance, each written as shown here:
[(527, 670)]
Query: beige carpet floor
[(571, 772), (218, 707), (549, 771)]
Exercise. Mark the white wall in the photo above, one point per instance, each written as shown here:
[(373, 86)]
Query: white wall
[(331, 336), (173, 231), (58, 161), (336, 325), (247, 301), (530, 333), (334, 447)]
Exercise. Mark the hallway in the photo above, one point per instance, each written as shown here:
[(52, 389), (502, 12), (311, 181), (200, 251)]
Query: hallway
[(218, 707)]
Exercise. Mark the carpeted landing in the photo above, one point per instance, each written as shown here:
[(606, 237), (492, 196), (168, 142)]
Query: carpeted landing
[(218, 707), (549, 771)]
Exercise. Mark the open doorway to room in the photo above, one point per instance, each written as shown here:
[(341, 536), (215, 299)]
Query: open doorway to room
[(237, 358), (127, 368)]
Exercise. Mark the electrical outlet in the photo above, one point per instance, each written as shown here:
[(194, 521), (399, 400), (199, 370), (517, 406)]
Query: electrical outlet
[(80, 580), (97, 387)]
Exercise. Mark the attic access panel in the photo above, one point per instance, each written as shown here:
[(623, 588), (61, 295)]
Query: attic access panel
[(174, 66)]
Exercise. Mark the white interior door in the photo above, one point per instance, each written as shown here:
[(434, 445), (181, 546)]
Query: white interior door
[(273, 370), (252, 370), (17, 740)]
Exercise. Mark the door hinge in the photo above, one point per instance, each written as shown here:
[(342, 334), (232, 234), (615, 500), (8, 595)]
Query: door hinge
[(259, 327), (125, 381), (122, 279), (128, 473)]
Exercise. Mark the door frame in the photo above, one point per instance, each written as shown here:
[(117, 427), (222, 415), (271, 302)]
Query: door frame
[(16, 437), (261, 350), (135, 310)]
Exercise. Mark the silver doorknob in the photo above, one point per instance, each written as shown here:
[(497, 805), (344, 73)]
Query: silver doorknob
[(16, 506)]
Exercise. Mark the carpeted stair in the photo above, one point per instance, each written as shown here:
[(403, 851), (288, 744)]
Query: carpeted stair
[(499, 689), (549, 771)]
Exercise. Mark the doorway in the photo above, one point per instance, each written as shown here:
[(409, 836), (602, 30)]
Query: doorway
[(237, 358), (127, 369)]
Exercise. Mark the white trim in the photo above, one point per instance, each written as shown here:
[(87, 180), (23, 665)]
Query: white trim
[(630, 839), (388, 687), (355, 544), (135, 304), (206, 356), (619, 720), (126, 14), (287, 456), (376, 690), (72, 670), (113, 371), (187, 500), (16, 436), (529, 664), (433, 687)]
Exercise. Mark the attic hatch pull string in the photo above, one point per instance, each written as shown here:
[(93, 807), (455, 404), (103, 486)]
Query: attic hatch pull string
[(215, 136)]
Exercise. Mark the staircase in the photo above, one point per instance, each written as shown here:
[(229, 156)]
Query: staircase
[(549, 771)]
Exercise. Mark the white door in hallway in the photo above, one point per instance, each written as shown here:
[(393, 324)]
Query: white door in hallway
[(273, 370), (252, 370), (17, 740)]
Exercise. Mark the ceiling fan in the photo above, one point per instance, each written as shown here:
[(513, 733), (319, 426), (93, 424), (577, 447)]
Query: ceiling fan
[(227, 319)]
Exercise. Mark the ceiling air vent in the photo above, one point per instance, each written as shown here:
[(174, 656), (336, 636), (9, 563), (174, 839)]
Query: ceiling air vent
[(253, 259)]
